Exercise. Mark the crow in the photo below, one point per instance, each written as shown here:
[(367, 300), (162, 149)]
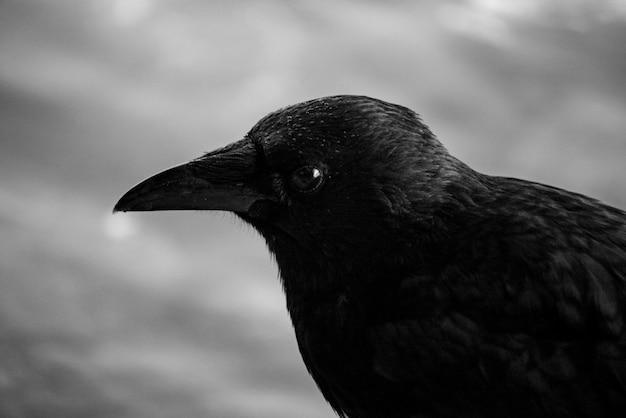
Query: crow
[(418, 287)]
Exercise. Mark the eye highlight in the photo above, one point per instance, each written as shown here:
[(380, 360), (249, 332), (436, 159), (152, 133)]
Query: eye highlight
[(306, 179)]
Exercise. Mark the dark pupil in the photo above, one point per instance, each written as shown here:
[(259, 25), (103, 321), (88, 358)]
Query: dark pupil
[(307, 178)]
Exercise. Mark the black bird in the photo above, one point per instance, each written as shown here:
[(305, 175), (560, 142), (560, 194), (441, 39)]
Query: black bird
[(417, 286)]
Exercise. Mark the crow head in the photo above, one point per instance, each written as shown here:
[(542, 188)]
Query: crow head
[(324, 181)]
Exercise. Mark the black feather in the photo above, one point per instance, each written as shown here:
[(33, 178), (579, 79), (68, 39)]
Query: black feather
[(418, 287)]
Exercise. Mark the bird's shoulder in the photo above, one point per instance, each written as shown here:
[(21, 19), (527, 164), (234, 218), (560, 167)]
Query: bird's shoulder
[(529, 292)]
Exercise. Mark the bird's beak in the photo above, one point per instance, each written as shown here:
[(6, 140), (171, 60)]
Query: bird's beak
[(220, 180)]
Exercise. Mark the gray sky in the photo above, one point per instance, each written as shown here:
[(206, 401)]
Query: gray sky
[(180, 314)]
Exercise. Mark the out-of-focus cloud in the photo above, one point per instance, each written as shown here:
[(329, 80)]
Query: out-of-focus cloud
[(117, 227), (492, 20), (130, 12)]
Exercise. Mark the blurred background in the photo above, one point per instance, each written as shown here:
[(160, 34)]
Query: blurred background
[(181, 314)]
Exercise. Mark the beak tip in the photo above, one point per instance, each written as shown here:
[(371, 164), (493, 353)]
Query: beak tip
[(132, 205), (125, 204)]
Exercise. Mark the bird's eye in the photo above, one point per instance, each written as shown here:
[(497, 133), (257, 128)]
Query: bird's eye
[(307, 179)]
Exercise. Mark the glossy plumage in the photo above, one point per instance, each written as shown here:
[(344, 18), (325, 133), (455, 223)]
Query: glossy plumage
[(418, 287)]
